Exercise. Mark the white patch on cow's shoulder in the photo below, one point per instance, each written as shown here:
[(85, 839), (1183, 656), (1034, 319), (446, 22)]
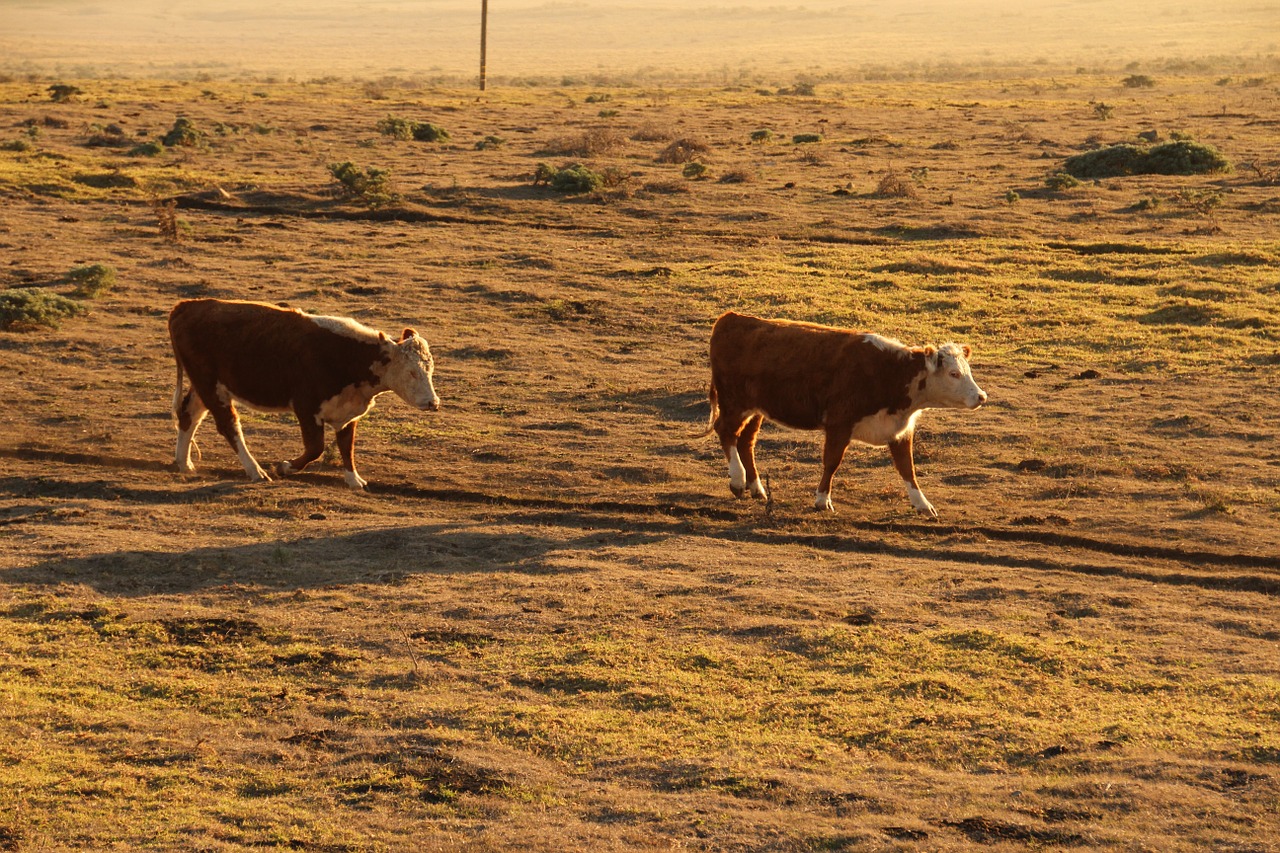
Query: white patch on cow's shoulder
[(883, 343), (344, 326), (351, 403), (882, 427)]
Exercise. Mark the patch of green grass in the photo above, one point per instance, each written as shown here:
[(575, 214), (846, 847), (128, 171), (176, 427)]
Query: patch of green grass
[(26, 309), (92, 281)]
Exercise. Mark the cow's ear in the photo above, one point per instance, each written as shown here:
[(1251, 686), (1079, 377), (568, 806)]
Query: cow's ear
[(382, 338), (406, 334), (965, 349), (931, 357)]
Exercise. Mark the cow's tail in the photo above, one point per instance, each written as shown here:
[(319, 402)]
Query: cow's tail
[(711, 417), (177, 391)]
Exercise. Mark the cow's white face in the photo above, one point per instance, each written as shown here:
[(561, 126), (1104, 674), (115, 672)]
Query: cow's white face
[(951, 382), (410, 372)]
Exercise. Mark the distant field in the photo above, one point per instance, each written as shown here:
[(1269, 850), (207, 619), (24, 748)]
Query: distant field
[(749, 41), (548, 624)]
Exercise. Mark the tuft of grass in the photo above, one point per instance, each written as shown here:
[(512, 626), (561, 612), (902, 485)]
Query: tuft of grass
[(28, 309), (370, 185), (683, 150), (92, 281), (183, 134), (806, 138)]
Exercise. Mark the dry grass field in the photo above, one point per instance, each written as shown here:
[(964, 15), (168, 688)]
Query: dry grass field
[(548, 624)]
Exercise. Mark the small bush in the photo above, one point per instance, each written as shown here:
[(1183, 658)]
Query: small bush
[(490, 142), (16, 145), (802, 88), (893, 185), (1172, 158), (1103, 112), (147, 149), (371, 185), (598, 99), (806, 138), (427, 132), (91, 281), (652, 133), (576, 178), (1012, 197), (61, 93), (1060, 182), (693, 170), (25, 309), (761, 135), (607, 114), (591, 143), (183, 133), (683, 150)]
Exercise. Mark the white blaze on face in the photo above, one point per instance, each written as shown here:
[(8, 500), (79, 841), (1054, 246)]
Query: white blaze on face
[(951, 383), (411, 371)]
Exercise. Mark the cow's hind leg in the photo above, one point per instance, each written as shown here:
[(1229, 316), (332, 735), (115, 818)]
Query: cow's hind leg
[(904, 461), (746, 445), (224, 415), (833, 449), (312, 445), (347, 447), (191, 411), (729, 426)]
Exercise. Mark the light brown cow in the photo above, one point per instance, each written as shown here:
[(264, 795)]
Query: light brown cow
[(852, 385), (326, 370)]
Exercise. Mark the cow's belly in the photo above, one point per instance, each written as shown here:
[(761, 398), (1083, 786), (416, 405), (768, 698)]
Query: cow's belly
[(257, 401), (882, 427)]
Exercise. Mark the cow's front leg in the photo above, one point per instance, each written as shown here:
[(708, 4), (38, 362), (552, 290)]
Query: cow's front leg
[(904, 460), (224, 415), (833, 449), (312, 445), (347, 447), (747, 457), (190, 415)]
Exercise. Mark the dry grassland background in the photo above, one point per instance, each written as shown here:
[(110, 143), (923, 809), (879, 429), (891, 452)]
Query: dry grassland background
[(548, 624)]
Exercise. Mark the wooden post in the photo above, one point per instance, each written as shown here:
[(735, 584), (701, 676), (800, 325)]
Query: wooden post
[(484, 37)]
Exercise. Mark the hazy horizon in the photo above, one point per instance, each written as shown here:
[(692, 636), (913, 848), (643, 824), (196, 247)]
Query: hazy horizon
[(549, 39)]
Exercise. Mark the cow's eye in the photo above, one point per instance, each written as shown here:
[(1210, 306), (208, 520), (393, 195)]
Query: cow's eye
[(955, 374)]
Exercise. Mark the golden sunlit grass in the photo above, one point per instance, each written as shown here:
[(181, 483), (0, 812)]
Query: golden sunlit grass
[(547, 625)]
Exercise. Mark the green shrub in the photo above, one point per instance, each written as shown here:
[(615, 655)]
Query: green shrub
[(761, 135), (24, 309), (1060, 182), (1012, 197), (371, 185), (693, 170), (427, 132), (147, 149), (490, 142), (93, 280), (1103, 111), (16, 145), (1172, 158), (183, 133), (607, 114), (806, 138), (60, 93), (576, 178)]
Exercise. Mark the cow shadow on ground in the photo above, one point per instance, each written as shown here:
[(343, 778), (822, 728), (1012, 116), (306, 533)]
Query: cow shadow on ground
[(377, 557)]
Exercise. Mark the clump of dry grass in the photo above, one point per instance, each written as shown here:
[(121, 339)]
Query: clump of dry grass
[(683, 150), (590, 143), (651, 132), (738, 176), (894, 185)]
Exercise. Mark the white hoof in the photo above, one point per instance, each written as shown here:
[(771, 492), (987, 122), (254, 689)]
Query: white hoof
[(756, 489), (355, 481), (822, 502)]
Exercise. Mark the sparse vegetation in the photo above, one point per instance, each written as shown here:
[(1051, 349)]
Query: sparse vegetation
[(894, 185), (61, 93), (806, 138), (1061, 182), (27, 309), (590, 143), (1171, 158), (683, 150), (92, 281), (1138, 81), (694, 170), (370, 185), (183, 134), (420, 131), (762, 135)]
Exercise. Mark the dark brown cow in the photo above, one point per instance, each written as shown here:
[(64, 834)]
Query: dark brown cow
[(852, 385), (326, 370)]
